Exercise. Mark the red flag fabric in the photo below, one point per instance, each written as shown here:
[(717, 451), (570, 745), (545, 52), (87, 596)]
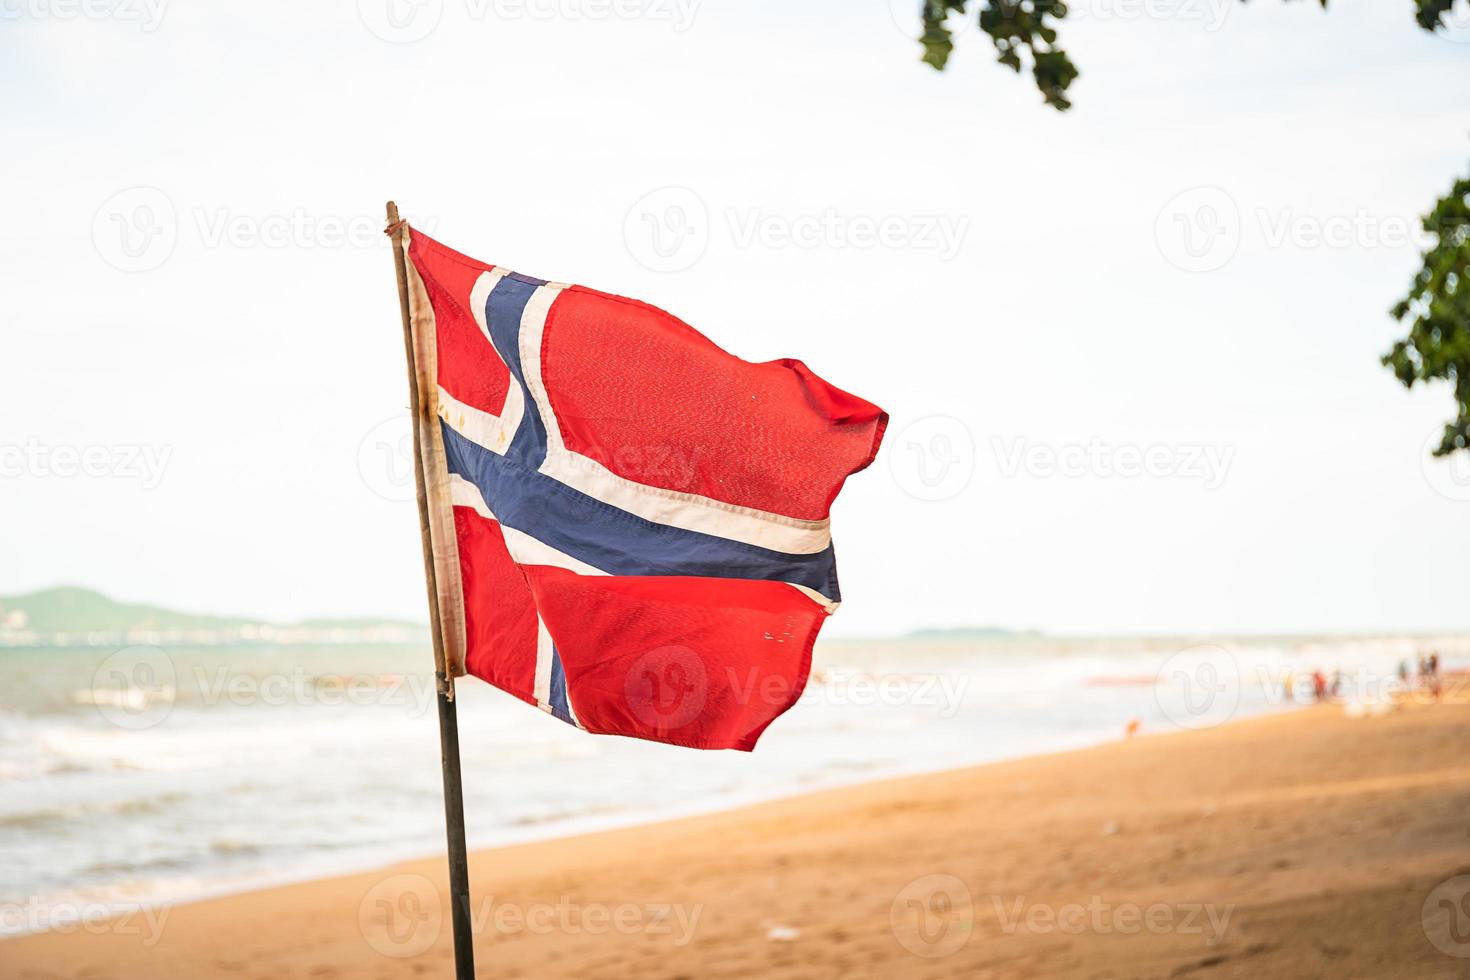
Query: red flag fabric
[(631, 525)]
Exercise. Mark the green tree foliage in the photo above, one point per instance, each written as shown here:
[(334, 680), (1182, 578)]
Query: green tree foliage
[(1437, 309), (1013, 26), (1030, 26)]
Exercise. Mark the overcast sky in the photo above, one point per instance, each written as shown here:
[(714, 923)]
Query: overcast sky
[(1130, 352)]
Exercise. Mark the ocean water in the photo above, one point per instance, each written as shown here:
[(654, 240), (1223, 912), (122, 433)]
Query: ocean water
[(153, 776)]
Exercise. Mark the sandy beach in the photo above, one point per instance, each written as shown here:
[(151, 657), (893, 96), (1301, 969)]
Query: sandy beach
[(1301, 844)]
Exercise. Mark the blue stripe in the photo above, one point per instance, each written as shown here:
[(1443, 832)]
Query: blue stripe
[(616, 541), (559, 689), (503, 309)]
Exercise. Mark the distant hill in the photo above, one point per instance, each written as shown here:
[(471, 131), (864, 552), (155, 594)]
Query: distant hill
[(72, 614), (68, 609)]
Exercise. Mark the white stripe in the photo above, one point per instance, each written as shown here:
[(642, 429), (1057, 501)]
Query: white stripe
[(543, 666), (688, 511), (523, 548), (526, 550), (817, 597), (497, 435), (544, 656), (479, 426), (533, 327), (480, 295)]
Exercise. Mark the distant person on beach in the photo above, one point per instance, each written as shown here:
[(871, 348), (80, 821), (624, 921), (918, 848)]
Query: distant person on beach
[(1433, 675), (1319, 685)]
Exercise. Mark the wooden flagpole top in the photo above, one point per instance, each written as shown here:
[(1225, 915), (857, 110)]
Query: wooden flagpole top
[(459, 882)]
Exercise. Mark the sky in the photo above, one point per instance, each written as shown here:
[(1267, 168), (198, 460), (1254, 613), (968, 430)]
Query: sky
[(1130, 352)]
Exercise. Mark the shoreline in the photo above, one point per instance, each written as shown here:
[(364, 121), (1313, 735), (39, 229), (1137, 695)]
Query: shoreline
[(567, 829), (503, 822), (787, 885)]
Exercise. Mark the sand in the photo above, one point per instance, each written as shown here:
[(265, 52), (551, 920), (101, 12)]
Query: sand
[(1298, 845)]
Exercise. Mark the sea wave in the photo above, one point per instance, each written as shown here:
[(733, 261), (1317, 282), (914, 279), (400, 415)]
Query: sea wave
[(210, 800), (71, 814)]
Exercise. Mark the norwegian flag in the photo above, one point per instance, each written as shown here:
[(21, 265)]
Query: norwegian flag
[(630, 525)]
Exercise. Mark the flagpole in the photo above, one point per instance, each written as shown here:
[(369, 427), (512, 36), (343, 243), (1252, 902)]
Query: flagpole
[(459, 870)]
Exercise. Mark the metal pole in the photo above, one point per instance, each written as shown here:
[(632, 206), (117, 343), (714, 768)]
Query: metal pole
[(459, 869)]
